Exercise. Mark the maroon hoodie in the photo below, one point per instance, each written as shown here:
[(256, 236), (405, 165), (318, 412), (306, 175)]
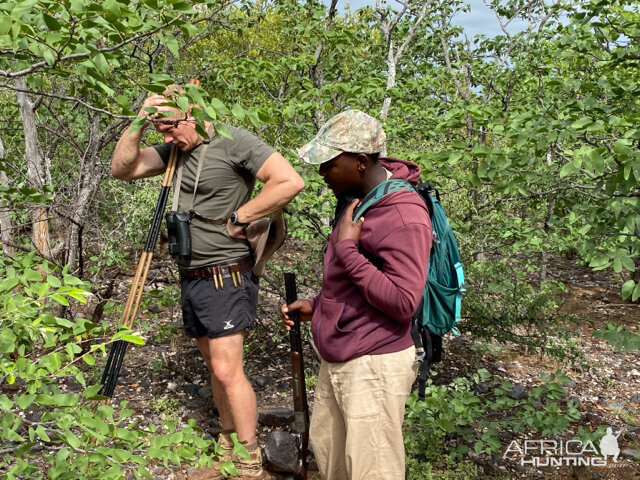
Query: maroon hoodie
[(362, 310)]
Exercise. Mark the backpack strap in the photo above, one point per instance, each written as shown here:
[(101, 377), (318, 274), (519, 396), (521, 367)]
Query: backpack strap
[(424, 352), (461, 289), (378, 192), (426, 364), (340, 206)]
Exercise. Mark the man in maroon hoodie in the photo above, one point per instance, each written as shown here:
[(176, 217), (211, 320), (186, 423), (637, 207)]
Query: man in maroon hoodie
[(374, 274)]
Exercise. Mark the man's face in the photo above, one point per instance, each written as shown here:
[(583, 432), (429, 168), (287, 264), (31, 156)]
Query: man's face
[(341, 174), (179, 131)]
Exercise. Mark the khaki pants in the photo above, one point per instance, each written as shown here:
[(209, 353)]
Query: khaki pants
[(356, 426)]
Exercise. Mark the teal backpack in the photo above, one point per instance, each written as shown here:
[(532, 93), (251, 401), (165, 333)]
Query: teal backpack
[(439, 310)]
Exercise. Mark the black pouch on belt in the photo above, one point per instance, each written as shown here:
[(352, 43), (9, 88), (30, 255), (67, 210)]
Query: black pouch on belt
[(179, 234)]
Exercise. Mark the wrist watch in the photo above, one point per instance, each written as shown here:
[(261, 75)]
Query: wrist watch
[(235, 220)]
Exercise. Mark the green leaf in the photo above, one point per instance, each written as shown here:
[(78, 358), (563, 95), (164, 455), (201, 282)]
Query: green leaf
[(222, 131), (42, 434), (454, 157), (51, 23), (238, 112), (210, 113), (636, 293), (159, 453), (5, 24), (57, 400), (101, 64), (628, 263), (184, 7), (120, 455), (5, 402), (133, 339), (154, 88), (91, 391), (32, 275), (253, 118), (60, 299), (581, 123), (126, 434), (77, 296), (446, 425), (24, 401), (474, 180), (229, 469), (96, 423), (571, 168), (7, 340), (264, 117), (113, 7), (63, 322), (8, 284), (183, 103), (617, 265), (627, 289), (123, 101), (72, 349), (238, 448), (72, 440), (71, 280), (172, 44), (219, 107), (201, 131), (16, 27)]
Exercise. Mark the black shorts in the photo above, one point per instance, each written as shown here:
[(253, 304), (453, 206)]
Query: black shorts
[(214, 313)]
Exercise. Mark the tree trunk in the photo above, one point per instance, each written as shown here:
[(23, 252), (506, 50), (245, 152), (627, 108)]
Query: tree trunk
[(317, 77), (544, 260), (35, 171), (6, 225), (391, 81), (89, 178), (395, 51)]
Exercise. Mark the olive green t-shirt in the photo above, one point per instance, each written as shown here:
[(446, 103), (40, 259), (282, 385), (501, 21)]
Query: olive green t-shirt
[(226, 182)]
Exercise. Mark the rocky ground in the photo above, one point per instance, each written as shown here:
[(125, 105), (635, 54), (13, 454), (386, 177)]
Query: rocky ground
[(166, 376)]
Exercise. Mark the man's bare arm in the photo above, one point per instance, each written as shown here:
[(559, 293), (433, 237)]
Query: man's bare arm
[(131, 162), (281, 184)]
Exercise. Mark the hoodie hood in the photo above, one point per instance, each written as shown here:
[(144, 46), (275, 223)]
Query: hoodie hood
[(403, 169)]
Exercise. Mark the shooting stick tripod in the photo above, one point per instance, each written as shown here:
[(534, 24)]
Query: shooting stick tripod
[(130, 311)]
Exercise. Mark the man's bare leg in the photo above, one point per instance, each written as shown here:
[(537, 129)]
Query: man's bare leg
[(232, 392)]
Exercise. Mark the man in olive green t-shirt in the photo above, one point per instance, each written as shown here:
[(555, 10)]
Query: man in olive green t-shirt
[(217, 317)]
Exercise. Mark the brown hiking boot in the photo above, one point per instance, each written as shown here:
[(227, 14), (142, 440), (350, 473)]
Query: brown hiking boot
[(213, 472), (250, 469)]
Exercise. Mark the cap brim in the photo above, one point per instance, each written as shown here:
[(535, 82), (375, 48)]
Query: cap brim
[(315, 153)]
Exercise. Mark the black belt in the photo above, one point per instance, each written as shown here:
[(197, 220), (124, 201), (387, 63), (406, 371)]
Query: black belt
[(218, 271)]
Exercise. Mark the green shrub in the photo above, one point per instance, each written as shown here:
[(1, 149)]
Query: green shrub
[(502, 305), (48, 432), (453, 420)]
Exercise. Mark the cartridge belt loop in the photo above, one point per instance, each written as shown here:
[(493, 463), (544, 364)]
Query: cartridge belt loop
[(218, 272)]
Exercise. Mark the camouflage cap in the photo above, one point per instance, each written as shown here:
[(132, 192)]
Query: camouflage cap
[(350, 131)]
